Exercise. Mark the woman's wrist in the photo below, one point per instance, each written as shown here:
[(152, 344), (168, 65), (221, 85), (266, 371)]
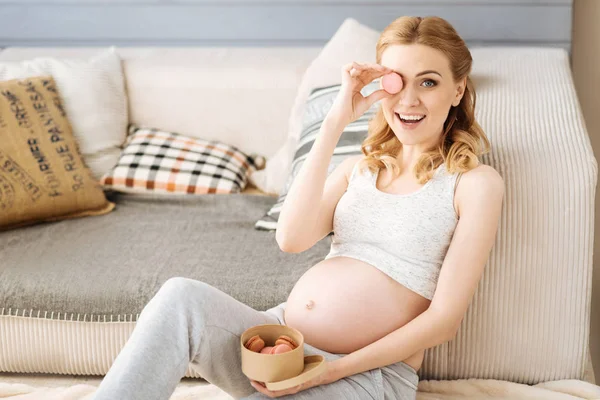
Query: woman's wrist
[(334, 121), (336, 370)]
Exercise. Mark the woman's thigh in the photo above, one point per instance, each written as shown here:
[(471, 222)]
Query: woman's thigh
[(394, 382), (400, 381), (209, 323)]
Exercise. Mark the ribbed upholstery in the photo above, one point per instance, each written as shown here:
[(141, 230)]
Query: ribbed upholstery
[(65, 346), (89, 347), (529, 319)]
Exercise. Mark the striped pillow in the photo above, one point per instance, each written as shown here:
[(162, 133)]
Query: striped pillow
[(318, 105), (166, 162)]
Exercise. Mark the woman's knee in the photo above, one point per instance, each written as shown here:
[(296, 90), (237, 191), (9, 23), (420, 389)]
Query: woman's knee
[(181, 288), (179, 283)]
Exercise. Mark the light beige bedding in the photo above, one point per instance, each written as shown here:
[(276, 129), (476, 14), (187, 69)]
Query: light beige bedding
[(83, 388)]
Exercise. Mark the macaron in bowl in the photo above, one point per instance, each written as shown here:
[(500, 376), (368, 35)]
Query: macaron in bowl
[(287, 367)]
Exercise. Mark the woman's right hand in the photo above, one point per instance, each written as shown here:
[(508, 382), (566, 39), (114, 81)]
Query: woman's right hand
[(350, 104)]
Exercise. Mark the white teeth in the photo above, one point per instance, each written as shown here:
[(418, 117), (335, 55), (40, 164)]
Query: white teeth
[(411, 117)]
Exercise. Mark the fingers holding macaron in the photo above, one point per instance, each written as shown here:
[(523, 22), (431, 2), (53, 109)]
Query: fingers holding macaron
[(391, 82)]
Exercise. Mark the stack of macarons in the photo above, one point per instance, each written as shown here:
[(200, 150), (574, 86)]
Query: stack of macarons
[(283, 344)]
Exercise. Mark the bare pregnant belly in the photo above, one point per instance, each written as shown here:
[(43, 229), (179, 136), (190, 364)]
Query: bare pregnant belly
[(353, 304)]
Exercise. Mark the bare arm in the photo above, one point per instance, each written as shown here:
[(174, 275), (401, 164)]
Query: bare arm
[(300, 210), (304, 215)]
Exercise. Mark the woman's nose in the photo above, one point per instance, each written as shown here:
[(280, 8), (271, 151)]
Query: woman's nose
[(409, 97)]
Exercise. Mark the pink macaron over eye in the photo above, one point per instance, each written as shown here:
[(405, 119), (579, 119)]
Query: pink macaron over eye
[(392, 83)]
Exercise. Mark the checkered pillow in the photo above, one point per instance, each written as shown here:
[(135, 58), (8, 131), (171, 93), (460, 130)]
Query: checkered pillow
[(318, 105), (156, 161)]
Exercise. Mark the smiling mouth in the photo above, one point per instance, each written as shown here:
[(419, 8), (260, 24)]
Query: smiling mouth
[(410, 121)]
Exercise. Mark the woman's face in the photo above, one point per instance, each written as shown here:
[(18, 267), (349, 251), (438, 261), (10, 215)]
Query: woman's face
[(428, 90)]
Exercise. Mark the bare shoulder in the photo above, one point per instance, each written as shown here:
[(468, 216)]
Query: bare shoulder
[(482, 183), (348, 164), (483, 176)]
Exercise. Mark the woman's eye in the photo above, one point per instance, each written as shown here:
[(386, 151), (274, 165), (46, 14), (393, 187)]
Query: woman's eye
[(433, 83)]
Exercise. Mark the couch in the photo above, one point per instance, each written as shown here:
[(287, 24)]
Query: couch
[(71, 291)]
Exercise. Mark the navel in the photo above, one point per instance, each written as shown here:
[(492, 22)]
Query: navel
[(310, 304)]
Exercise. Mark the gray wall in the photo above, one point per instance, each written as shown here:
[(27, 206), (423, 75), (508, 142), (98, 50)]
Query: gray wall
[(268, 22)]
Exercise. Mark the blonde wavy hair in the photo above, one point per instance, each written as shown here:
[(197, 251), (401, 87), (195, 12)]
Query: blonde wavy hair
[(463, 140)]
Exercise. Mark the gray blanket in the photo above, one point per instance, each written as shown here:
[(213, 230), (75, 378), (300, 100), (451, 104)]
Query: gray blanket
[(113, 264)]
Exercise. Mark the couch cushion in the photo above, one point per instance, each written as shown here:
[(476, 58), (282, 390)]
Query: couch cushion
[(352, 41), (348, 145), (166, 162), (93, 93), (113, 265), (42, 173), (239, 95)]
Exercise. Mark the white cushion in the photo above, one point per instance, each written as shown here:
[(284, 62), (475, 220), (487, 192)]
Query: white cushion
[(351, 42), (93, 93), (238, 96), (241, 96)]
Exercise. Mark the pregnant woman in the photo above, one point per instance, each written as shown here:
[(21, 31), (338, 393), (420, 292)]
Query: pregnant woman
[(414, 219)]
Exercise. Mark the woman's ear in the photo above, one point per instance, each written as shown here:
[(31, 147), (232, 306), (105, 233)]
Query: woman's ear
[(460, 91)]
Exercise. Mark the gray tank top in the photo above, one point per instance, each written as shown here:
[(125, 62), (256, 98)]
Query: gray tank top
[(405, 236)]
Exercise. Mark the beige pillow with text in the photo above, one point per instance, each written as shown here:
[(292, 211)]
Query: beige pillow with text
[(42, 174)]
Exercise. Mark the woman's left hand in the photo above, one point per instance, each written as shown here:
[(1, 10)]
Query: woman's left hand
[(328, 376)]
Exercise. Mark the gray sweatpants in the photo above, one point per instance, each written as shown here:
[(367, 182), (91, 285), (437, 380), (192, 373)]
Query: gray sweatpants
[(189, 321)]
